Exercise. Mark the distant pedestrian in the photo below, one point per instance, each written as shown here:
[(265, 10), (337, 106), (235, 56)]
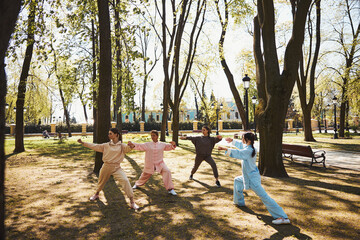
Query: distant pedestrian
[(154, 161), (46, 134), (113, 154), (204, 146), (251, 177)]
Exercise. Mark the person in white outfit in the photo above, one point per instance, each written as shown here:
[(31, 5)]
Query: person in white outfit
[(251, 177), (113, 154)]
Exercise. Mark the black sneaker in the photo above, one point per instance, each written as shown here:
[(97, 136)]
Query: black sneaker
[(191, 177), (217, 183)]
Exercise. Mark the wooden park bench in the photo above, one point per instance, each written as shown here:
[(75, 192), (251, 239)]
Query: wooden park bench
[(289, 150)]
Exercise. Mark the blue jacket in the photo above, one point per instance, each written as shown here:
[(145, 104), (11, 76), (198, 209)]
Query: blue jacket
[(250, 171)]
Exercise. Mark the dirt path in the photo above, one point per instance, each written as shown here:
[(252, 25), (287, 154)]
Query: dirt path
[(47, 198)]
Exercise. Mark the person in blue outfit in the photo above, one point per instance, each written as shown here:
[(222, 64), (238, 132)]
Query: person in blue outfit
[(251, 177)]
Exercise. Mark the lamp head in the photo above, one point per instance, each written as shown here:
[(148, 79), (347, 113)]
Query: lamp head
[(253, 99), (334, 100), (246, 81)]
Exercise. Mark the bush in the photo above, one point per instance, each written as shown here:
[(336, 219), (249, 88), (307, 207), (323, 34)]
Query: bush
[(129, 126)]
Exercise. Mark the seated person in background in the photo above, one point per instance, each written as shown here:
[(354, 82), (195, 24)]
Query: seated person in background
[(46, 134)]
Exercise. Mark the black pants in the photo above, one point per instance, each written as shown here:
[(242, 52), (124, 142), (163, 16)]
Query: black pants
[(209, 160)]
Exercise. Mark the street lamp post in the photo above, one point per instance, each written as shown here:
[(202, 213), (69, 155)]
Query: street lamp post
[(335, 127), (246, 81), (254, 101)]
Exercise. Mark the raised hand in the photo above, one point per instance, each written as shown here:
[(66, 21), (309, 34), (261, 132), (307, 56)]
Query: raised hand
[(219, 137), (222, 148), (173, 143), (229, 140), (80, 141), (130, 144)]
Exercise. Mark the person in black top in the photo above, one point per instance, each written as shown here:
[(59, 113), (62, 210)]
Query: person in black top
[(204, 146)]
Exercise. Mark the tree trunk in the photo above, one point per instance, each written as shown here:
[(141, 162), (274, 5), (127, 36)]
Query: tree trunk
[(105, 68), (66, 112), (9, 11), (85, 114), (342, 116), (94, 97), (275, 88), (19, 128), (271, 125), (308, 136), (302, 83), (165, 111), (143, 97), (175, 124), (118, 101), (226, 68)]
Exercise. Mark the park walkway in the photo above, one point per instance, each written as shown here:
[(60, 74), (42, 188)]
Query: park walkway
[(334, 158)]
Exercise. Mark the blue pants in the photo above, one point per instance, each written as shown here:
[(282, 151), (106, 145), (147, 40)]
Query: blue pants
[(274, 209)]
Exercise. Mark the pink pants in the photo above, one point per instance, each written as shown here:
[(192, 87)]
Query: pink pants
[(166, 176)]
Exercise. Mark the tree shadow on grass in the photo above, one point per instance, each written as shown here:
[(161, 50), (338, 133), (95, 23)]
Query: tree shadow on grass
[(283, 231), (160, 216)]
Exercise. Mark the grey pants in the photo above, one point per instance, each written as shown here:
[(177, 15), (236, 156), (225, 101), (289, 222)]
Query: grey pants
[(209, 160)]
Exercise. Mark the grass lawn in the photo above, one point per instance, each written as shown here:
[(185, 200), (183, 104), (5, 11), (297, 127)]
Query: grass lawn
[(48, 187)]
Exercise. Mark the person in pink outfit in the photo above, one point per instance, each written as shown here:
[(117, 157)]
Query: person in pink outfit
[(113, 154), (154, 154)]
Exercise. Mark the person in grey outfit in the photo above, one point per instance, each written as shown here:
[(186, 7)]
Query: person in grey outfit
[(204, 146)]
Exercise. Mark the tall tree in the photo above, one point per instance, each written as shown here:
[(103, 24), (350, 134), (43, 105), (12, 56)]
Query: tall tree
[(307, 72), (94, 42), (224, 21), (118, 70), (105, 79), (19, 128), (9, 11), (275, 87), (148, 66), (176, 78), (347, 31)]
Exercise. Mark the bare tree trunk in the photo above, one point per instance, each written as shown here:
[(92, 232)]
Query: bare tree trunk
[(165, 111), (143, 96), (9, 11), (343, 112), (19, 128), (105, 68), (275, 88), (227, 71), (307, 125), (118, 101), (302, 82), (85, 114), (94, 93), (66, 112)]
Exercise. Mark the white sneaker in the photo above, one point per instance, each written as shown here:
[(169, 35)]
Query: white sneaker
[(94, 197), (172, 192), (135, 187), (134, 206), (281, 221)]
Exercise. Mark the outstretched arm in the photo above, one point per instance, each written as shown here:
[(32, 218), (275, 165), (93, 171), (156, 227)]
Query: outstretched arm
[(170, 146), (93, 146), (138, 146)]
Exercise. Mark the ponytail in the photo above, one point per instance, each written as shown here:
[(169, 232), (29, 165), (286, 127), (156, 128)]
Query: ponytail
[(250, 137)]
